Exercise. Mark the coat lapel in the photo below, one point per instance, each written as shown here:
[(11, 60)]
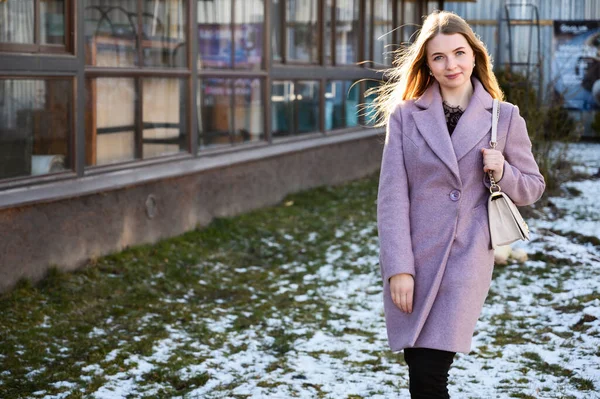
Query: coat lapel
[(431, 123), (475, 123)]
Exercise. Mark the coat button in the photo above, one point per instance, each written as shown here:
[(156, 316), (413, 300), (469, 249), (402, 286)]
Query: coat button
[(454, 195)]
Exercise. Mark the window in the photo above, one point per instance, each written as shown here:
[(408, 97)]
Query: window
[(297, 22), (410, 20), (134, 118), (230, 111), (382, 32), (295, 107), (347, 28), (35, 126), (35, 26), (341, 102), (230, 34), (135, 114), (112, 38), (369, 110)]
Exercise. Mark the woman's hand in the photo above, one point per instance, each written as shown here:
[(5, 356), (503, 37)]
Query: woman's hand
[(493, 160), (402, 288)]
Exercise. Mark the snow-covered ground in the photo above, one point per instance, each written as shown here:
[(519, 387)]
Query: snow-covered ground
[(553, 347)]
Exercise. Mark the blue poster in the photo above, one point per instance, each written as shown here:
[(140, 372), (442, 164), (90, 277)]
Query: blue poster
[(576, 63)]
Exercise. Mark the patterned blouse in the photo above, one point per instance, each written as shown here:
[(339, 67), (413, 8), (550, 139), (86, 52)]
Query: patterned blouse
[(452, 114)]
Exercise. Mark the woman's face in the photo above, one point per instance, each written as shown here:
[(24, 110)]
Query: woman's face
[(450, 59)]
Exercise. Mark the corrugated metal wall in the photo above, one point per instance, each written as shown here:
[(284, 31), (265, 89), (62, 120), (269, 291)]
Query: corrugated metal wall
[(483, 17)]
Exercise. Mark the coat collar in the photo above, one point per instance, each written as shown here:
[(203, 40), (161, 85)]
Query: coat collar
[(472, 126)]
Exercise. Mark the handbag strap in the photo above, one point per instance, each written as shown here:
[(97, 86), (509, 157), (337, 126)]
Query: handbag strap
[(495, 116)]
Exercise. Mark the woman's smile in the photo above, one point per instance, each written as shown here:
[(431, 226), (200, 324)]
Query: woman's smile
[(454, 76)]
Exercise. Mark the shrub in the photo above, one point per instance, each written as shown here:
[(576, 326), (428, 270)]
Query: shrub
[(549, 126)]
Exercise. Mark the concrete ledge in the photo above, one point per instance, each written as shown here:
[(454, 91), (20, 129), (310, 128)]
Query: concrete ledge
[(67, 223)]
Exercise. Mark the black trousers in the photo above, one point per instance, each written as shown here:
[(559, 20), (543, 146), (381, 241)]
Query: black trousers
[(428, 372)]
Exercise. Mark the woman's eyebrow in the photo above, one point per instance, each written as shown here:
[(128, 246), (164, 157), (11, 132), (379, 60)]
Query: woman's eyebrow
[(456, 49)]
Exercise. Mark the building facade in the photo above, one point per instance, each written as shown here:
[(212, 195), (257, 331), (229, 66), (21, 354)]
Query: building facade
[(128, 121)]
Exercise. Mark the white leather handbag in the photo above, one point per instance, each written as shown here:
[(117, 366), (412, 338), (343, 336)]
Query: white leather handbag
[(505, 220)]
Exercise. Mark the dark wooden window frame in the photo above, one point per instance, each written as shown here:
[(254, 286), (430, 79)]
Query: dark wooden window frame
[(138, 73), (37, 46), (41, 66), (282, 28)]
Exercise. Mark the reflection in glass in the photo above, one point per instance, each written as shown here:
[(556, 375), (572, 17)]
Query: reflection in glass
[(110, 33), (35, 126), (164, 42), (369, 108), (301, 31), (276, 27), (17, 21), (352, 99), (165, 116), (307, 96), (248, 110), (410, 20), (334, 105), (382, 32), (52, 17), (248, 33), (214, 34), (110, 121), (347, 31), (368, 31), (341, 102), (214, 112), (328, 28), (282, 108)]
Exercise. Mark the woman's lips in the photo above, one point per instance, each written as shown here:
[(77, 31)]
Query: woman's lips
[(456, 75)]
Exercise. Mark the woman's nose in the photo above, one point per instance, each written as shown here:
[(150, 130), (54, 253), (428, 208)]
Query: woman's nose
[(450, 63)]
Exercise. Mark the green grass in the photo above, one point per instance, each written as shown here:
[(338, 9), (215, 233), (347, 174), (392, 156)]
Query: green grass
[(238, 264), (236, 275)]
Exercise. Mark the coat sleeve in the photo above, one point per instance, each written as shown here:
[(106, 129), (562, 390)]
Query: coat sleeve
[(393, 221), (521, 178)]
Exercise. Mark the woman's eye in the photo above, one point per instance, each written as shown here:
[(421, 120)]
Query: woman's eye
[(460, 52), (437, 57)]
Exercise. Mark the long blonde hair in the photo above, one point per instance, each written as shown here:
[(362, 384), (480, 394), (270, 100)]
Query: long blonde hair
[(409, 77)]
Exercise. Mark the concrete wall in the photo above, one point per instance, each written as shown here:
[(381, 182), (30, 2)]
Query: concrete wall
[(68, 232)]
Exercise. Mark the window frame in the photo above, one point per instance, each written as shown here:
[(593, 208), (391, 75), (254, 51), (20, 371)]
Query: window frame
[(39, 48)]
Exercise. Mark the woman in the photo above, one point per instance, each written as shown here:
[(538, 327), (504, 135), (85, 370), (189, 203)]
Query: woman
[(435, 252)]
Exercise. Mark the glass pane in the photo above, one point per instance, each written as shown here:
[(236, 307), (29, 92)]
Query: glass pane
[(35, 126), (307, 96), (433, 5), (276, 30), (410, 20), (110, 121), (334, 103), (328, 28), (248, 110), (164, 43), (52, 18), (341, 102), (352, 93), (346, 31), (17, 21), (248, 31), (369, 110), (110, 33), (282, 108), (165, 115), (382, 32), (214, 112), (214, 34), (301, 32), (368, 33)]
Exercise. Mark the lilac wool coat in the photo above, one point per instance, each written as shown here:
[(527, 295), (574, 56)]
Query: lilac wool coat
[(432, 213)]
